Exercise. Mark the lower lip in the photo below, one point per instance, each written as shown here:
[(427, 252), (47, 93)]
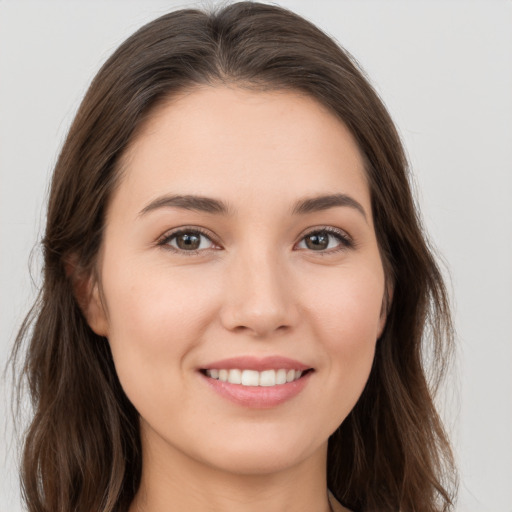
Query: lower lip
[(258, 397)]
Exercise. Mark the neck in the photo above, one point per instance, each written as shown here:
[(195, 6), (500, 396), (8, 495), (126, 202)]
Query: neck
[(172, 480)]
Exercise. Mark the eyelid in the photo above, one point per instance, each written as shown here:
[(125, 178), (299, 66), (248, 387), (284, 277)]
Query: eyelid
[(164, 240), (346, 241)]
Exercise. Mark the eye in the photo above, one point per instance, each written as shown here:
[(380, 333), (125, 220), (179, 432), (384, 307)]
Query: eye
[(186, 240), (190, 241), (326, 240)]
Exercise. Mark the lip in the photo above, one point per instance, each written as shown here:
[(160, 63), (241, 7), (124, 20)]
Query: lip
[(257, 363), (257, 397)]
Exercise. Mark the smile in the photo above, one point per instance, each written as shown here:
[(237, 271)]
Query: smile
[(255, 382), (266, 378)]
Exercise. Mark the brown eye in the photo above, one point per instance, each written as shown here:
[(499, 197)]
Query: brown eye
[(187, 241), (317, 241), (326, 240)]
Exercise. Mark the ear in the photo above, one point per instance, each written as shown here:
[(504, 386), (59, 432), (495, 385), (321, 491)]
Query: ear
[(387, 299), (87, 294), (94, 310)]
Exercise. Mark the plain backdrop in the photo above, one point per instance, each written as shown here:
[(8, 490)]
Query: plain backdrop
[(443, 68)]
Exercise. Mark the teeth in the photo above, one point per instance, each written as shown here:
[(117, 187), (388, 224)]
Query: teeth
[(253, 378), (281, 377), (250, 378), (268, 378), (235, 377)]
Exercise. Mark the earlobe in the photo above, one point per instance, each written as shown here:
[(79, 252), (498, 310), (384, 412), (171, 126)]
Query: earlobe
[(384, 311), (87, 294), (94, 312), (382, 322)]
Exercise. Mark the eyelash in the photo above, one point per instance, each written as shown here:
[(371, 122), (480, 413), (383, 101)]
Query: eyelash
[(345, 241)]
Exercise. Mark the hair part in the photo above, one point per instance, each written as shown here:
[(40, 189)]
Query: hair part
[(82, 450)]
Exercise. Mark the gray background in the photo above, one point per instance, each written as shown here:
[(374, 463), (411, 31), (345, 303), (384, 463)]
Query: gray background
[(444, 69)]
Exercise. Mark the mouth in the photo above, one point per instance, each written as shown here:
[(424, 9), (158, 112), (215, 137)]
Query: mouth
[(257, 382), (254, 378)]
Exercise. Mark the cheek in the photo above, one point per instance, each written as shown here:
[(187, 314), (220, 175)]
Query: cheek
[(155, 319), (347, 321), (152, 302), (348, 307)]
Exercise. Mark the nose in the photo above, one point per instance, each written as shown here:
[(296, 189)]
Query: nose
[(259, 295)]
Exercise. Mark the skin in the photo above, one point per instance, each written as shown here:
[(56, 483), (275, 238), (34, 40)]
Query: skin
[(253, 288)]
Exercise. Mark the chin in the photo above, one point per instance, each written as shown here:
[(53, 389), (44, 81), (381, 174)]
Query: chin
[(257, 464), (264, 454)]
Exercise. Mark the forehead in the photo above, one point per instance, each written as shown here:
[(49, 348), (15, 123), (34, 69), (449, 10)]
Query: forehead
[(243, 145)]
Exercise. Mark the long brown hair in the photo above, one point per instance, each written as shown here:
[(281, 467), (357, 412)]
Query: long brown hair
[(82, 450)]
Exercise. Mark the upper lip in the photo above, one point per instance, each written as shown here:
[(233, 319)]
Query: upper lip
[(257, 363)]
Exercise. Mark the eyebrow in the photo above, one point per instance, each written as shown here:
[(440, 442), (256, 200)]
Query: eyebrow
[(324, 202), (188, 202), (216, 206)]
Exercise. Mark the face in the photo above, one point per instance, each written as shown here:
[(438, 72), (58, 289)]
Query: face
[(239, 245)]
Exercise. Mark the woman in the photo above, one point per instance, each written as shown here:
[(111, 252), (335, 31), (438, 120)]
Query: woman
[(236, 286)]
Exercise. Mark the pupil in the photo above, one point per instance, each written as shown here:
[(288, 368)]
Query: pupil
[(317, 241), (188, 241)]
